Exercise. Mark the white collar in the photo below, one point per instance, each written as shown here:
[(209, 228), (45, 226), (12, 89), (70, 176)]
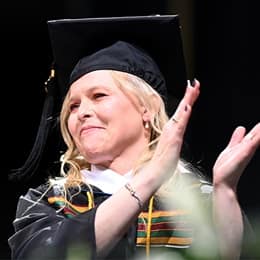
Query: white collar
[(106, 179)]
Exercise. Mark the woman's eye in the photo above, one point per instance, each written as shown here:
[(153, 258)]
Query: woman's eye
[(73, 107), (99, 95)]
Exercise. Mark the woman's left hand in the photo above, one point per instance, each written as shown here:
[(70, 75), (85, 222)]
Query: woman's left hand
[(232, 161)]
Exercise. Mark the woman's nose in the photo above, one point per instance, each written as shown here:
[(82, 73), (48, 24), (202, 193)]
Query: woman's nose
[(85, 110)]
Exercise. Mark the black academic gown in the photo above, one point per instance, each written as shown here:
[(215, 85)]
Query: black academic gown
[(45, 229)]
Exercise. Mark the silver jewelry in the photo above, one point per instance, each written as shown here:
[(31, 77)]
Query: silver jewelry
[(175, 120), (133, 194)]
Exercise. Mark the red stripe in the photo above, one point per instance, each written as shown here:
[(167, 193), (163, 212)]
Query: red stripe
[(164, 226), (67, 210)]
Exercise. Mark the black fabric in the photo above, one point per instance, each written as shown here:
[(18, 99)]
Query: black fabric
[(122, 56), (43, 232), (158, 35), (47, 120)]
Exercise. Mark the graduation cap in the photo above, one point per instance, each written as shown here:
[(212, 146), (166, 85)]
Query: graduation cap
[(147, 46), (158, 35)]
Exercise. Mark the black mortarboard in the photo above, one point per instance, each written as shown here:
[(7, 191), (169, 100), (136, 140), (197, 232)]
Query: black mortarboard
[(159, 36), (156, 37), (126, 57)]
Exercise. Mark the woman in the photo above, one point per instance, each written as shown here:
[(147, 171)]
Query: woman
[(122, 176)]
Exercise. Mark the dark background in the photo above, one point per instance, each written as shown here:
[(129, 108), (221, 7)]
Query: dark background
[(221, 48)]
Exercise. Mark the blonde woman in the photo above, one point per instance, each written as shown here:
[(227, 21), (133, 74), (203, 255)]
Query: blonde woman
[(123, 191)]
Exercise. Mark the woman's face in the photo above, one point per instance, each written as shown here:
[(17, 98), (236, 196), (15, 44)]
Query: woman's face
[(105, 123)]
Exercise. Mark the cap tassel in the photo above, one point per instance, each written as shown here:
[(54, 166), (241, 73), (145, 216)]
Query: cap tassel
[(32, 163)]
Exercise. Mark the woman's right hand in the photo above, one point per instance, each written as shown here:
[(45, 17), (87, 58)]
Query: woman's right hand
[(147, 181), (167, 152)]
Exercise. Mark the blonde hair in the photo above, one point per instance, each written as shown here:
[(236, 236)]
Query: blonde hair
[(72, 162)]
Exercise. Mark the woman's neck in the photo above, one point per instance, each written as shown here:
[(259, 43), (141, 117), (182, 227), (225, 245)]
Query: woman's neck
[(124, 162)]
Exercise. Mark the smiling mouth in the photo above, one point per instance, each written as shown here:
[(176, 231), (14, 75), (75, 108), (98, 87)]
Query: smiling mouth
[(90, 129)]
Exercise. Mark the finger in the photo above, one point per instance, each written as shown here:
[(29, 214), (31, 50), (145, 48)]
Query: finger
[(182, 122), (195, 87), (254, 134), (190, 96), (237, 136)]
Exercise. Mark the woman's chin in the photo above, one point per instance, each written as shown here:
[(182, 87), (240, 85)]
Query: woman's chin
[(97, 157)]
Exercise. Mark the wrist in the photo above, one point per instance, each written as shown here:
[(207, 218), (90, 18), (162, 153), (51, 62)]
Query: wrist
[(146, 183), (224, 190), (228, 185)]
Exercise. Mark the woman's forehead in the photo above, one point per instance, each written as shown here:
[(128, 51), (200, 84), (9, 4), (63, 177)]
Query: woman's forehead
[(102, 80), (93, 80)]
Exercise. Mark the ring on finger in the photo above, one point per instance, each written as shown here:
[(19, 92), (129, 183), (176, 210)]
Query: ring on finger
[(175, 120)]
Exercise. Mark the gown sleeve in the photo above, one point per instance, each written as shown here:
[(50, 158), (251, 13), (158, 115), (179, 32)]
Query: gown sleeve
[(43, 232)]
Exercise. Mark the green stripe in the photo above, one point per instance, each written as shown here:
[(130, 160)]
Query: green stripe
[(166, 233), (163, 219), (59, 203), (69, 215)]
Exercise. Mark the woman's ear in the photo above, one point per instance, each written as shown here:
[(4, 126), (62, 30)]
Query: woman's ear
[(148, 114)]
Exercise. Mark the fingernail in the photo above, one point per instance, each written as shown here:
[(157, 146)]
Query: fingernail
[(188, 83), (193, 82), (186, 108)]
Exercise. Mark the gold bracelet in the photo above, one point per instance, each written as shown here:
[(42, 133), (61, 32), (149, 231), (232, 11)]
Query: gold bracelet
[(133, 194)]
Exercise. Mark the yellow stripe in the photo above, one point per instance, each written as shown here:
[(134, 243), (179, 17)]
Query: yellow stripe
[(149, 224), (170, 213), (166, 240), (90, 200), (80, 209)]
